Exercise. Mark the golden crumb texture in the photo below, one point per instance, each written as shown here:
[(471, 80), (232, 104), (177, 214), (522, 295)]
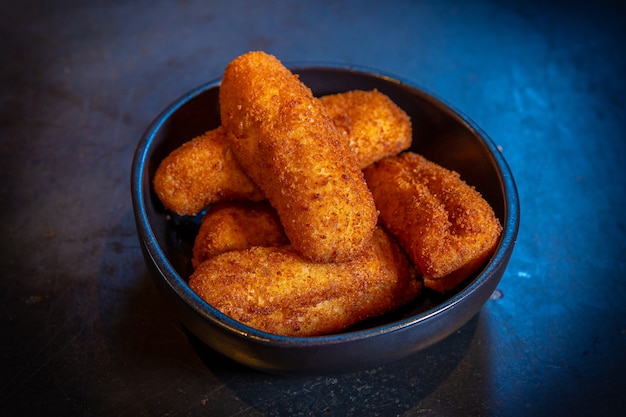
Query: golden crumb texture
[(446, 227), (236, 226), (200, 172), (276, 290), (373, 126), (286, 142)]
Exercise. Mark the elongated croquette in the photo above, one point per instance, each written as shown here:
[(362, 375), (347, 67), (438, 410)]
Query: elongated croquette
[(276, 290), (286, 142)]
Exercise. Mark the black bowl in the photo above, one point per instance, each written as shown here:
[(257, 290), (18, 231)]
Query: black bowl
[(439, 133)]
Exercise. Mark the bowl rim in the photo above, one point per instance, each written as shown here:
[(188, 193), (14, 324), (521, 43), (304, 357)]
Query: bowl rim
[(511, 219)]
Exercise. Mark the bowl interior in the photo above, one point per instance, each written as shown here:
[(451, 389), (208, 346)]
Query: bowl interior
[(439, 133)]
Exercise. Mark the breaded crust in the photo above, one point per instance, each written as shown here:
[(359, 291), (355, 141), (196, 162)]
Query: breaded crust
[(446, 227), (275, 290), (200, 172), (372, 124), (204, 172), (284, 140), (236, 226)]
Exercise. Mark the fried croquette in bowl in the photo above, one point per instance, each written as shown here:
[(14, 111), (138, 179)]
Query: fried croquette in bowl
[(279, 311)]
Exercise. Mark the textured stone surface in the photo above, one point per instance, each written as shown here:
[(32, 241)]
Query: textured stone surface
[(84, 331)]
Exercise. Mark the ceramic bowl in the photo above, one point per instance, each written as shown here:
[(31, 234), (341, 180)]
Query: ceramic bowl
[(440, 133)]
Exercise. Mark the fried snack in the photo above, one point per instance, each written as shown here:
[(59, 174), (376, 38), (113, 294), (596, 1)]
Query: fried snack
[(446, 227), (200, 172), (285, 141), (372, 124), (236, 226), (275, 290)]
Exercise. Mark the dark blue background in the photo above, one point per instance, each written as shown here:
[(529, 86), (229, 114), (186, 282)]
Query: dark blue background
[(82, 329)]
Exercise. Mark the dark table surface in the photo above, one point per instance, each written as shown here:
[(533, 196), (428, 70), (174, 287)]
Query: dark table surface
[(83, 330)]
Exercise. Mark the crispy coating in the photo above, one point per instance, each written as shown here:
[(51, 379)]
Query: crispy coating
[(203, 171), (275, 290), (286, 142), (236, 226), (372, 124), (446, 227), (192, 176)]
